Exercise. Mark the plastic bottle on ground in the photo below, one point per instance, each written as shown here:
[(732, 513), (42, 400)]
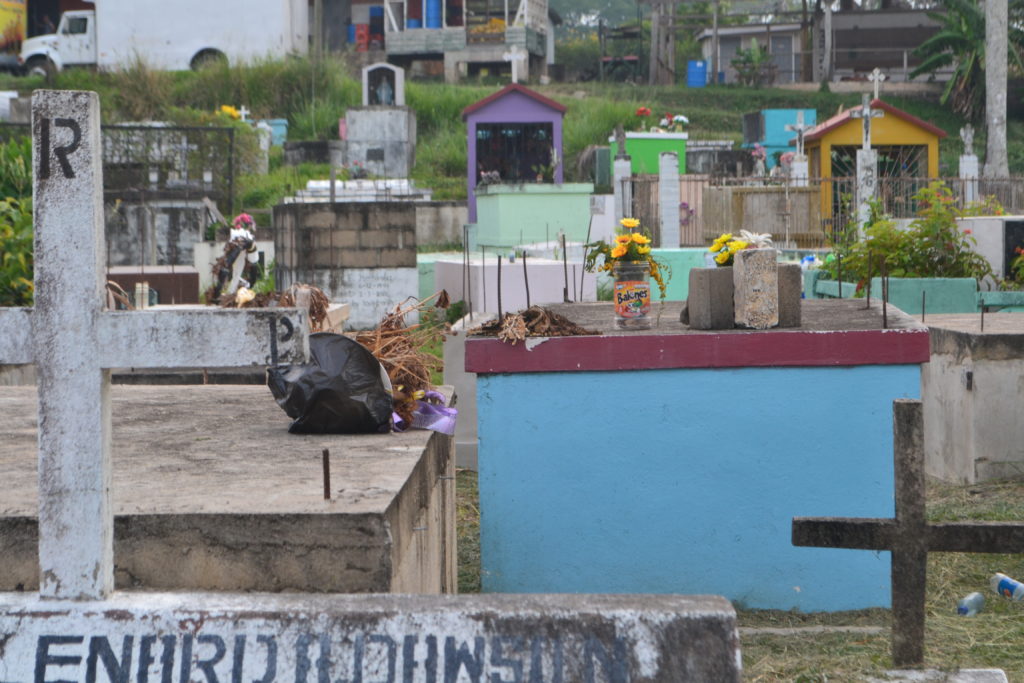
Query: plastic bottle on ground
[(1007, 587), (970, 605)]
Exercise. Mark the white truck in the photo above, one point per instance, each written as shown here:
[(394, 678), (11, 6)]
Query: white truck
[(174, 35)]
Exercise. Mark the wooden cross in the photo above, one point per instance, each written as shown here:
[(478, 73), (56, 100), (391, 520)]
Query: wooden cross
[(866, 113), (74, 343), (909, 537), (876, 76), (800, 128)]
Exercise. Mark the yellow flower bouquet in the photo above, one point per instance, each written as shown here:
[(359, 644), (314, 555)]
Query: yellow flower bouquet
[(726, 245), (631, 244)]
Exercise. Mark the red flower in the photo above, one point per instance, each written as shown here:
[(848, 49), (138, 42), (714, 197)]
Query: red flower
[(643, 111), (968, 231)]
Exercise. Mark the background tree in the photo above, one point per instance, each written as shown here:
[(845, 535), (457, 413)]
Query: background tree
[(960, 44)]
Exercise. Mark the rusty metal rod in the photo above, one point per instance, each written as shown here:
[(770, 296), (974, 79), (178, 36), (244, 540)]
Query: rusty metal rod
[(327, 474), (565, 271), (526, 280), (868, 294), (501, 311)]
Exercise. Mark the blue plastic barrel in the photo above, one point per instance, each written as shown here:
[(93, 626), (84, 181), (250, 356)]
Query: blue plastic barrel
[(433, 17), (414, 23), (376, 11), (352, 33), (696, 73)]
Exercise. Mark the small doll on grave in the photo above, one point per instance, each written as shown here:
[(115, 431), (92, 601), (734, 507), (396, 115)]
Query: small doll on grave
[(232, 274)]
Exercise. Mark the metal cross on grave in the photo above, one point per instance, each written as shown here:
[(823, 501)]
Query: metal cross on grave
[(866, 113), (74, 343), (908, 536)]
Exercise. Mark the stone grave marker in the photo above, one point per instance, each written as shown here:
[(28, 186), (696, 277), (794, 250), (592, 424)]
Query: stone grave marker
[(908, 536), (867, 161), (77, 629), (380, 136)]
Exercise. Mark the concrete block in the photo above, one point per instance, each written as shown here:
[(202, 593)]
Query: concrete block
[(710, 299), (755, 277), (791, 281), (396, 258), (378, 239), (656, 638), (363, 258)]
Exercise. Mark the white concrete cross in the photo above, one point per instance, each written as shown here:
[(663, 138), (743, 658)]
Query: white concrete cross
[(74, 343), (866, 113), (243, 113), (876, 76), (800, 128), (515, 55)]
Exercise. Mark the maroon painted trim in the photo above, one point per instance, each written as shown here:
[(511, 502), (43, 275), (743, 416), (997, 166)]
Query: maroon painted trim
[(512, 87), (733, 350)]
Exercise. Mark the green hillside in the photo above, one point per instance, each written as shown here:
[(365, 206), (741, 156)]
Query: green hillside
[(313, 97)]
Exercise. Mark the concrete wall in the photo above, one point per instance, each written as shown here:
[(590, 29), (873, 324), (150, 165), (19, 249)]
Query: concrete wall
[(942, 294), (511, 215), (440, 222), (970, 390), (546, 280), (686, 481), (361, 253), (464, 382)]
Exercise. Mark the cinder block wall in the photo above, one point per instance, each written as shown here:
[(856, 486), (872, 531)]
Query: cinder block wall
[(346, 235)]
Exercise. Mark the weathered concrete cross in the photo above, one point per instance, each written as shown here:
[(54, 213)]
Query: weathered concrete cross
[(75, 629), (866, 113), (876, 76), (909, 537), (74, 343), (515, 55)]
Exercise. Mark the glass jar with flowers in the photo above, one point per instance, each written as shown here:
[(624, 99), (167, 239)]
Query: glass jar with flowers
[(632, 266)]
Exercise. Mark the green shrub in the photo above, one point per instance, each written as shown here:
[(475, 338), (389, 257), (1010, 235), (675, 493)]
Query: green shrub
[(16, 288), (932, 246), (16, 168)]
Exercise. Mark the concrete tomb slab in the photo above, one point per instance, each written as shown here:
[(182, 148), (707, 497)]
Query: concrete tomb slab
[(210, 492), (657, 638), (688, 497)]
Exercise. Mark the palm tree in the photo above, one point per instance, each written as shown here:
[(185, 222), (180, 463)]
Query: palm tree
[(960, 43)]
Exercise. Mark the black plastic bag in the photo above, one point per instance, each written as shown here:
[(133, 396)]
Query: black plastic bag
[(344, 391)]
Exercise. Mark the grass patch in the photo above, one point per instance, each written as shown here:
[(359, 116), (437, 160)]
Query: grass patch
[(990, 640), (467, 516)]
